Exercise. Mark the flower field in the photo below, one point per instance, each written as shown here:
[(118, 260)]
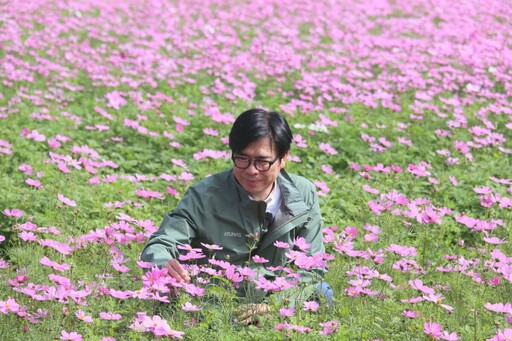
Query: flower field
[(402, 118)]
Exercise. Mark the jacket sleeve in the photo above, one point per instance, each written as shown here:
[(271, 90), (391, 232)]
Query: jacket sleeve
[(177, 228), (312, 232)]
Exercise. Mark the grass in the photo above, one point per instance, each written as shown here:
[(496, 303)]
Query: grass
[(110, 220)]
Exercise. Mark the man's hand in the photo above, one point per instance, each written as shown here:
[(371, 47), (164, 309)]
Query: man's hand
[(252, 313), (176, 271)]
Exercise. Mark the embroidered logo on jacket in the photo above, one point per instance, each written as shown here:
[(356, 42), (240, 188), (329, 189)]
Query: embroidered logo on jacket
[(233, 234)]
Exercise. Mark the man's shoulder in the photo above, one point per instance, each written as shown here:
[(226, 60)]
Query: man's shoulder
[(300, 182), (303, 185), (213, 182)]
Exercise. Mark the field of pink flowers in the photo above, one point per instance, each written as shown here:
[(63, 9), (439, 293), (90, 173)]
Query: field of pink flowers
[(402, 118)]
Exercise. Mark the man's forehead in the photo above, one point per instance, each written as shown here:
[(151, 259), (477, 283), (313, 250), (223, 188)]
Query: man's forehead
[(260, 148)]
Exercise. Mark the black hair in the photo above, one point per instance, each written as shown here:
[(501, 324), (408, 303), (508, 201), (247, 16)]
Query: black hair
[(255, 124)]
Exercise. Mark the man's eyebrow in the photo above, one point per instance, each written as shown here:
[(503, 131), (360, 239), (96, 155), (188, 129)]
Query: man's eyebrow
[(259, 157)]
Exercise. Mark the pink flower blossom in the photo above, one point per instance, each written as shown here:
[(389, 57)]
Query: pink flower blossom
[(80, 314), (411, 314), (326, 147), (259, 260), (311, 306), (190, 307), (212, 247), (72, 336), (433, 329), (147, 194), (287, 312), (16, 213), (418, 285), (9, 306), (329, 327), (301, 243), (211, 131), (110, 316), (450, 336), (502, 335), (494, 240), (34, 183), (66, 201), (499, 307), (281, 245)]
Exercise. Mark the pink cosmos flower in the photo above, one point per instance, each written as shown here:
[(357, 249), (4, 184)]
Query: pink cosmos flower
[(194, 290), (371, 237), (327, 169), (66, 201), (281, 245), (63, 248), (411, 314), (371, 190), (26, 169), (413, 300), (418, 170), (453, 181), (115, 99), (211, 131), (403, 251), (27, 236), (499, 307), (323, 188), (326, 147), (212, 247), (376, 207), (287, 312), (16, 213), (450, 336), (190, 307), (73, 336), (494, 240), (172, 191), (147, 194), (329, 327), (428, 216), (259, 260), (192, 255), (433, 329), (418, 285), (179, 163), (186, 176), (233, 276), (80, 314), (311, 306), (34, 183), (301, 243), (59, 267), (502, 335), (110, 316), (9, 306)]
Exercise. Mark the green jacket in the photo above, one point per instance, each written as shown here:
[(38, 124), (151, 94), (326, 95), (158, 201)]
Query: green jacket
[(218, 211)]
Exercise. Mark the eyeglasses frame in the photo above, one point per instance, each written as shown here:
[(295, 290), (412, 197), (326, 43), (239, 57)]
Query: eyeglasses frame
[(253, 161)]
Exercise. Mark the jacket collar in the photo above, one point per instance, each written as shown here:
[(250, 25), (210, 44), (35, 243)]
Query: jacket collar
[(291, 195)]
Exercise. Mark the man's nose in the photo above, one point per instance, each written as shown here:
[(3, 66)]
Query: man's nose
[(252, 169)]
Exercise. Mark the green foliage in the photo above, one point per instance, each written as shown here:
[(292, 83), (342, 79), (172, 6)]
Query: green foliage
[(143, 156)]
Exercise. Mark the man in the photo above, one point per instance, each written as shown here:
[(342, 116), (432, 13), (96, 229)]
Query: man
[(247, 208)]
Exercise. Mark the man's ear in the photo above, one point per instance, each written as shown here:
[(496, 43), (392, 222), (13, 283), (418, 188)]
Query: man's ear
[(283, 160)]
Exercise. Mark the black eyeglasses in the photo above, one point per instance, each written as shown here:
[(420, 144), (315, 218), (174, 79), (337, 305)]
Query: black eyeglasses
[(243, 162)]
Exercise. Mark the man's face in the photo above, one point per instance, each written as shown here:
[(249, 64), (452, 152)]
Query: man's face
[(258, 184)]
